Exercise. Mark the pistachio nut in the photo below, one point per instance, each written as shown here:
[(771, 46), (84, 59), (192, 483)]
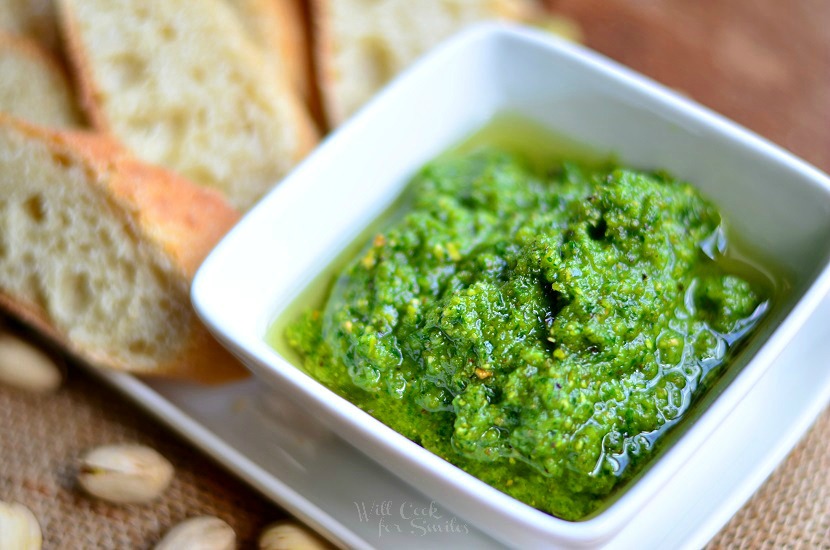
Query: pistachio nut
[(125, 473), (199, 533), (25, 367), (19, 529), (290, 536)]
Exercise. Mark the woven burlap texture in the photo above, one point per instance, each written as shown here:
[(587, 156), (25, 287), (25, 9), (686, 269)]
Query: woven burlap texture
[(42, 438), (792, 509)]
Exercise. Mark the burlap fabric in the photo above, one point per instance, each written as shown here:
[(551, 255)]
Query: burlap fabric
[(42, 437), (792, 509)]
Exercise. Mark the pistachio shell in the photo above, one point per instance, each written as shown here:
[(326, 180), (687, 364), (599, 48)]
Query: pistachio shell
[(200, 533), (125, 473), (25, 367), (19, 529), (290, 536)]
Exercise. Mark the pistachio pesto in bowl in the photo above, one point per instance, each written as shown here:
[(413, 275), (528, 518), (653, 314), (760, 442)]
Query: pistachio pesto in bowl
[(538, 324)]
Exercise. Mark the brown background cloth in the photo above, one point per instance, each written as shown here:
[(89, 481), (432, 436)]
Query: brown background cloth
[(42, 438), (764, 63)]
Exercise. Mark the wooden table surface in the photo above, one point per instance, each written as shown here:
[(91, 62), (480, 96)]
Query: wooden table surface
[(762, 63)]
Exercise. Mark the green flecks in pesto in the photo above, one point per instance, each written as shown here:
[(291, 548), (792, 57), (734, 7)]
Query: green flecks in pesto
[(538, 329)]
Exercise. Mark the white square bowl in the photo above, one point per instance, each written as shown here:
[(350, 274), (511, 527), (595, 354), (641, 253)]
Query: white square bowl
[(780, 205)]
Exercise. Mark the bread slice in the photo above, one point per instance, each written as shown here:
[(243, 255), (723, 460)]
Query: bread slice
[(361, 44), (184, 87), (97, 250), (33, 86), (278, 29), (35, 19)]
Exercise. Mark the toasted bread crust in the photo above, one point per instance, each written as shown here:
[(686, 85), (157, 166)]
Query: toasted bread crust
[(34, 19), (278, 26), (202, 359), (184, 219), (29, 48), (289, 34), (295, 26), (35, 55), (175, 218), (82, 74), (322, 48)]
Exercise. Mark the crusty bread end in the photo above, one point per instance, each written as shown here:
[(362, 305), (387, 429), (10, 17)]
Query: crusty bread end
[(97, 250)]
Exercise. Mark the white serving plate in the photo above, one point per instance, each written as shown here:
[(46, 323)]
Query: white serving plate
[(318, 477), (299, 228)]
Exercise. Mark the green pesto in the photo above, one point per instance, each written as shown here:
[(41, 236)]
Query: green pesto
[(539, 328)]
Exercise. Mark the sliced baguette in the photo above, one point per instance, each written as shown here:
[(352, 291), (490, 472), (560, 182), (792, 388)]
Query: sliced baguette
[(361, 44), (33, 86), (184, 87), (97, 250)]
